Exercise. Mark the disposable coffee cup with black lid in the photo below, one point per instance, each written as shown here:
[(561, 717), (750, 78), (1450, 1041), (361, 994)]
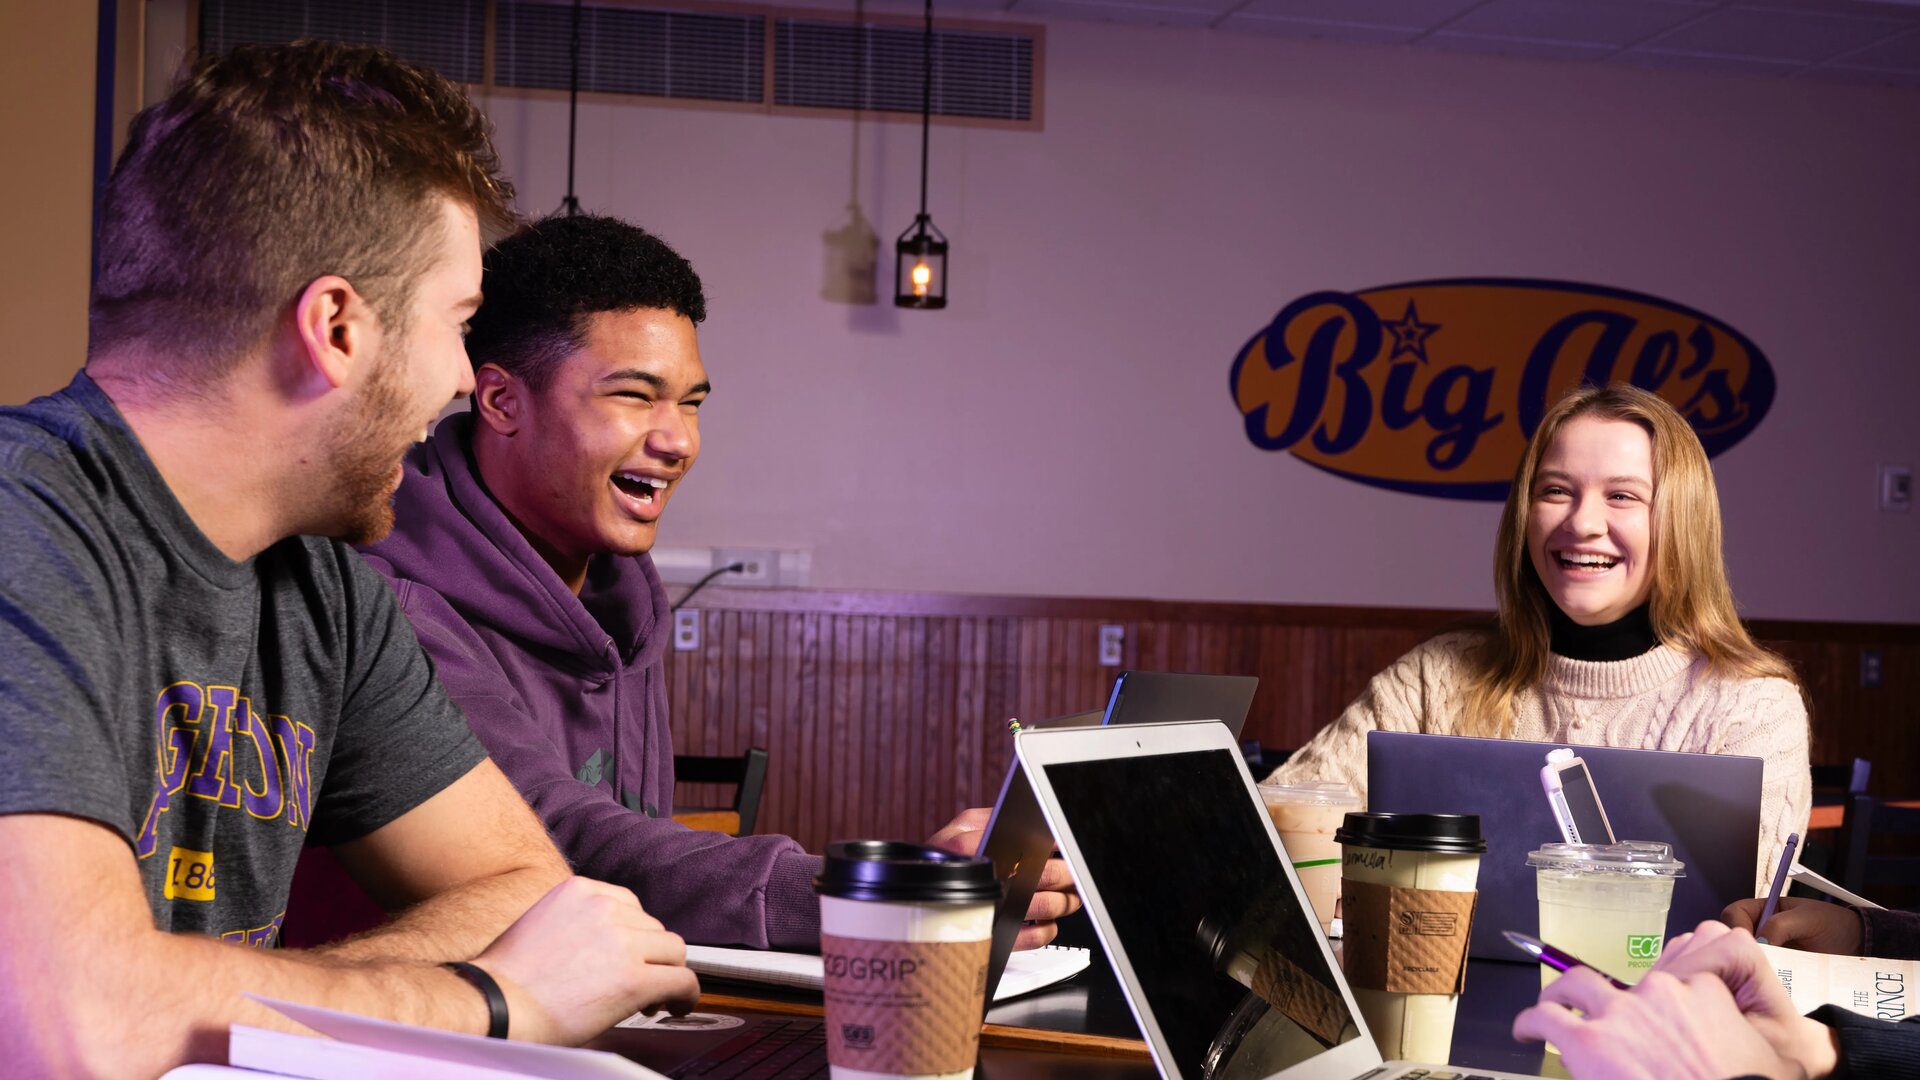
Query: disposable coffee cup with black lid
[(891, 871), (1449, 834), (905, 930), (1407, 885)]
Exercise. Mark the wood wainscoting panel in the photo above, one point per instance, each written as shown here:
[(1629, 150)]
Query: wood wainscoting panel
[(884, 714)]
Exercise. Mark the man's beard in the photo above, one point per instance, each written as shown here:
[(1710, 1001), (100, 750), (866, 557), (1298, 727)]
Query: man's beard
[(367, 447)]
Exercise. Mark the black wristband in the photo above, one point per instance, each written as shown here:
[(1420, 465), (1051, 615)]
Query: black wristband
[(496, 1001)]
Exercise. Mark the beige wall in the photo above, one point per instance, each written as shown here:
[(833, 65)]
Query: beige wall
[(46, 116), (1066, 426)]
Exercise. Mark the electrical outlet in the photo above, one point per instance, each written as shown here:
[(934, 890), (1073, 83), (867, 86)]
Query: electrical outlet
[(1870, 669), (686, 630), (1896, 488), (761, 566), (1112, 640)]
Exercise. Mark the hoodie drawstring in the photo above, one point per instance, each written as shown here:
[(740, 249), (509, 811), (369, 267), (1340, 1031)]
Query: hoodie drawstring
[(619, 763)]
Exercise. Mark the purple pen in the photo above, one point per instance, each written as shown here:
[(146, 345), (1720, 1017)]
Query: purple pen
[(1552, 957), (1779, 881)]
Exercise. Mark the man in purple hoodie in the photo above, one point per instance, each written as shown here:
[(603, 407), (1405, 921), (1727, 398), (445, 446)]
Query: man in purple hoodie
[(520, 555)]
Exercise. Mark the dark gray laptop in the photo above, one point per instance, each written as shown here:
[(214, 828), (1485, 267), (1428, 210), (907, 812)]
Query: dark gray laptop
[(1706, 805), (1167, 697), (1018, 840)]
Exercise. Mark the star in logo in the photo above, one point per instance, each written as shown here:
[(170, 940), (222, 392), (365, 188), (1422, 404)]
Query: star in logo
[(1410, 334)]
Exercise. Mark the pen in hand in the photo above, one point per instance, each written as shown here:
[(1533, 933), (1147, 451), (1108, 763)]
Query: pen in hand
[(1562, 962), (1779, 881)]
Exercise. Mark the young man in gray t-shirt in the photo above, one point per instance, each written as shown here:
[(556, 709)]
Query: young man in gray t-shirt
[(197, 675)]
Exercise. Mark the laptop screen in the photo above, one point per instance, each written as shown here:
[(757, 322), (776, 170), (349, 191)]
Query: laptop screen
[(1227, 954)]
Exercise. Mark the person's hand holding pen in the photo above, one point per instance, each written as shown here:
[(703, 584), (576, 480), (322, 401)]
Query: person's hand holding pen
[(1796, 923), (1665, 1028), (1697, 1013), (1734, 959), (1800, 923)]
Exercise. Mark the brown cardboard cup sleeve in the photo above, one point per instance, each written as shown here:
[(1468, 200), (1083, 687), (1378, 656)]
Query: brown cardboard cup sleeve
[(908, 1007), (1407, 941), (1300, 997)]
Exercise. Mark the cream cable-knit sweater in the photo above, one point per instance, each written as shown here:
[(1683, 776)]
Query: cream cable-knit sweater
[(1662, 700)]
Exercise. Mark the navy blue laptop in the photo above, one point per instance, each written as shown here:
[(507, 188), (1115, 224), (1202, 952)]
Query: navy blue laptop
[(1706, 805)]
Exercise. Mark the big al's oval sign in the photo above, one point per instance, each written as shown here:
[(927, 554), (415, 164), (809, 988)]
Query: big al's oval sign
[(1434, 387)]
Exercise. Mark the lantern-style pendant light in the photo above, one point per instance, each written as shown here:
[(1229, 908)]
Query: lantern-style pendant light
[(920, 254)]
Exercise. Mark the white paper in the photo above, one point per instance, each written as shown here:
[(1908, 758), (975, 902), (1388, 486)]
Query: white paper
[(313, 1057), (432, 1051), (1027, 970), (798, 970)]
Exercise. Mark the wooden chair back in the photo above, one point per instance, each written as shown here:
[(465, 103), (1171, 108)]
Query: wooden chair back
[(746, 772)]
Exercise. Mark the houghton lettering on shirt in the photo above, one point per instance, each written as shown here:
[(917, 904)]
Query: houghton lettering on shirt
[(214, 746), (1435, 387)]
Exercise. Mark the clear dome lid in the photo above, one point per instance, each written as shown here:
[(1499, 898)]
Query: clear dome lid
[(1626, 857), (1313, 792)]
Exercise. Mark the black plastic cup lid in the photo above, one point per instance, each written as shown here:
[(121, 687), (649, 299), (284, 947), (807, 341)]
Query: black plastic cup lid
[(894, 872), (1443, 833)]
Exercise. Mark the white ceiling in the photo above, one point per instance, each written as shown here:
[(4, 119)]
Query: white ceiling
[(1869, 41)]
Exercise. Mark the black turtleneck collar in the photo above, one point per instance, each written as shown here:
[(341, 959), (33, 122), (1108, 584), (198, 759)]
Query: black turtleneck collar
[(1624, 638)]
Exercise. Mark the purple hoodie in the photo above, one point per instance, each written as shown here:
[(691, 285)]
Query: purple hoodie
[(568, 694)]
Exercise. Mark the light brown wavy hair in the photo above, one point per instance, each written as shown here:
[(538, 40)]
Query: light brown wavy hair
[(1691, 603), (267, 167)]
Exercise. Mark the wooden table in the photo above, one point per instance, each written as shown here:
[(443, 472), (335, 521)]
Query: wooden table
[(1006, 1053), (1832, 817), (721, 821), (1083, 1029)]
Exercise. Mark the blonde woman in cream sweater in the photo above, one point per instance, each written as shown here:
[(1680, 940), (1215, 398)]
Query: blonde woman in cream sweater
[(1616, 623)]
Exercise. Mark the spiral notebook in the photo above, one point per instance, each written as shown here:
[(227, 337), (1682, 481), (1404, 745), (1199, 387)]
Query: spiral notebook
[(1033, 969)]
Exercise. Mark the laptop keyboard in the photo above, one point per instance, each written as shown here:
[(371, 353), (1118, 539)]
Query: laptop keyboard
[(1435, 1074), (769, 1049)]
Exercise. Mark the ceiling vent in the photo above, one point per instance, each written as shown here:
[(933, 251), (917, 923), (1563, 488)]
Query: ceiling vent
[(449, 36), (827, 64), (984, 72), (705, 56)]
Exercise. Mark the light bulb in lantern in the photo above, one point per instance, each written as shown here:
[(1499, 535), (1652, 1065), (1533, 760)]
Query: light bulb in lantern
[(922, 277)]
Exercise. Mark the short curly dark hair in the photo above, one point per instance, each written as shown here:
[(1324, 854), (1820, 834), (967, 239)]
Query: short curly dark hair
[(543, 282)]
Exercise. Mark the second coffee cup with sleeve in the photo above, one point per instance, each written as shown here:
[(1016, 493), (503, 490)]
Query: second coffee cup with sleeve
[(1407, 896)]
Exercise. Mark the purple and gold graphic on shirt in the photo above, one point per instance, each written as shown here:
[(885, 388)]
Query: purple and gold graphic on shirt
[(189, 875), (260, 937), (213, 746)]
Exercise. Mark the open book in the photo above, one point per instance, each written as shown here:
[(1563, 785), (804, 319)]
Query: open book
[(1027, 971), (1865, 984)]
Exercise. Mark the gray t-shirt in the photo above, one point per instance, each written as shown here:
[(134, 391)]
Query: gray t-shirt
[(217, 715)]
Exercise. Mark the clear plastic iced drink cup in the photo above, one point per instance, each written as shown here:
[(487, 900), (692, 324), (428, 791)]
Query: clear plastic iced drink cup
[(1306, 817), (1606, 903)]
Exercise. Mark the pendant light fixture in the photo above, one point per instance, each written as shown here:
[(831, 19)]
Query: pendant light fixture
[(570, 204), (920, 254)]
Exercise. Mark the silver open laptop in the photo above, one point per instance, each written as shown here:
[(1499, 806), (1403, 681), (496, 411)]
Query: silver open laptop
[(1185, 877), (1017, 839)]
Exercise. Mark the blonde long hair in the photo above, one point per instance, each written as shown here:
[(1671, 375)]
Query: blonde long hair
[(1691, 602)]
